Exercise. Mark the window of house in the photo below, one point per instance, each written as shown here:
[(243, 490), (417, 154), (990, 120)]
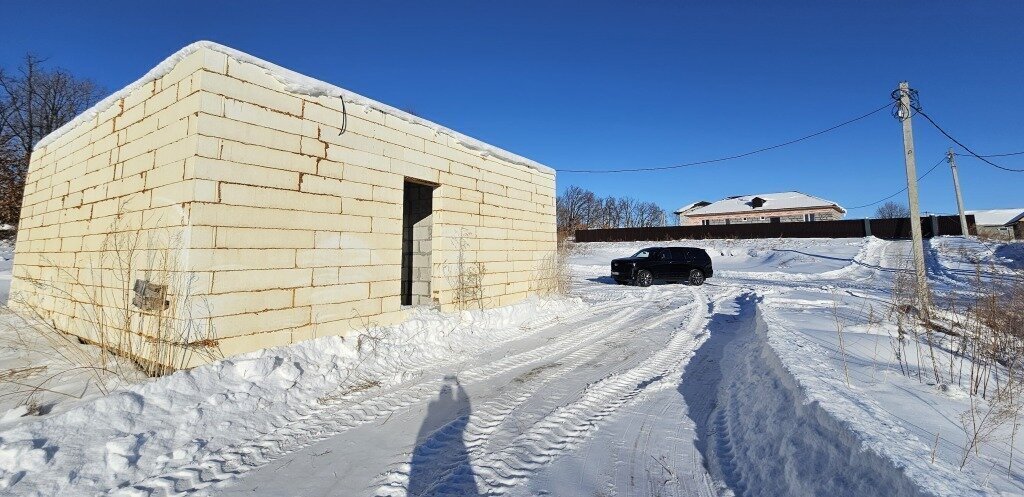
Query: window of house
[(705, 222), (809, 217)]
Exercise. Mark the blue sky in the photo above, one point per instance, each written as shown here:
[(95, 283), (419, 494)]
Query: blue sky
[(605, 85)]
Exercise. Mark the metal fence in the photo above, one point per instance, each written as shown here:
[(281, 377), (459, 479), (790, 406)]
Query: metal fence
[(889, 229)]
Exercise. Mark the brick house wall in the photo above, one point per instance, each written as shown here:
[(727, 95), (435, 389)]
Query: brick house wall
[(764, 216), (1007, 233), (272, 226)]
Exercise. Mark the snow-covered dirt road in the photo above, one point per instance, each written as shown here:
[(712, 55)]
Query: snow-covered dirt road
[(736, 388), (514, 408)]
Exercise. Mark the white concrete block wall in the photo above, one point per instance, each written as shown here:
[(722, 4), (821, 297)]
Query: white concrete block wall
[(291, 229), (283, 167), (107, 203)]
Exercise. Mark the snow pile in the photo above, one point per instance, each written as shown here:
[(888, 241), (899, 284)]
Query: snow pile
[(44, 373), (190, 414), (763, 436), (965, 258), (850, 423), (295, 83)]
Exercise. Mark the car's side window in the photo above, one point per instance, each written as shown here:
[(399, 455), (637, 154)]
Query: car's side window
[(681, 255), (661, 255)]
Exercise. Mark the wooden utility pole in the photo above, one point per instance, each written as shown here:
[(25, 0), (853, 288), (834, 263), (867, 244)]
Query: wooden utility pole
[(951, 157), (904, 113)]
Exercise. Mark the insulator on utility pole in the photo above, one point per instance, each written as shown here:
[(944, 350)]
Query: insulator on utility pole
[(951, 157), (904, 113)]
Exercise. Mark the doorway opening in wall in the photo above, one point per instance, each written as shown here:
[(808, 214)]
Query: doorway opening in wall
[(417, 233)]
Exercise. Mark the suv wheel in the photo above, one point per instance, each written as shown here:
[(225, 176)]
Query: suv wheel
[(696, 277), (644, 278)]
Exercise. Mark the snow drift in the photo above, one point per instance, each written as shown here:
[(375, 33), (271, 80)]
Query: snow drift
[(761, 435), (190, 415)]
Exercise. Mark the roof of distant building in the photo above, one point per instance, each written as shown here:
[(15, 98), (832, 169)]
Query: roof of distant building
[(691, 206), (765, 202), (997, 217)]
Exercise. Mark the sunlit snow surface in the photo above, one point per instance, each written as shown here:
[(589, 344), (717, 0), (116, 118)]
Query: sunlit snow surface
[(733, 388)]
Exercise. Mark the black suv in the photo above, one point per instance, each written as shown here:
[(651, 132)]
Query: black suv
[(665, 263)]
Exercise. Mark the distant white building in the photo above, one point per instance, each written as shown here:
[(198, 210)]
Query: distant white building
[(781, 207), (1006, 224)]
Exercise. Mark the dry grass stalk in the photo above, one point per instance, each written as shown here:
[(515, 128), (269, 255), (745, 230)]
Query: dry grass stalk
[(465, 277), (980, 329), (839, 332), (156, 341), (554, 276)]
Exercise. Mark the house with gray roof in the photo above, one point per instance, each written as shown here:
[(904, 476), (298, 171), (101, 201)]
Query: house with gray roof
[(1004, 224), (781, 207)]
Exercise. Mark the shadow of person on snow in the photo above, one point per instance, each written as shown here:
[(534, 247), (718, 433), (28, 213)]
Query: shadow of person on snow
[(440, 462)]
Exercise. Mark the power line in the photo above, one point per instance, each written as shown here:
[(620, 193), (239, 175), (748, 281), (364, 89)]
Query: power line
[(993, 155), (731, 157), (899, 192), (979, 157)]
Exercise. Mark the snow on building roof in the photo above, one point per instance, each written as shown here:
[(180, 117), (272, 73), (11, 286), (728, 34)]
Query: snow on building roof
[(295, 83), (772, 201), (699, 203), (997, 217)]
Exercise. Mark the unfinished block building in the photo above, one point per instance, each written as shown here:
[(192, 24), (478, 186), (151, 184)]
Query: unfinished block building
[(223, 204)]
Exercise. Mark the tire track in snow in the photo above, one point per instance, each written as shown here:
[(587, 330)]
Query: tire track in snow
[(564, 426), (747, 404), (487, 419), (334, 417)]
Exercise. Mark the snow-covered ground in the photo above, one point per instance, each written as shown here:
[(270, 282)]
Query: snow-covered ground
[(737, 387)]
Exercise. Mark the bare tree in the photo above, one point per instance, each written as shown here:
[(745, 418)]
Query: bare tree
[(891, 210), (613, 217), (579, 208), (573, 209), (627, 209), (34, 102), (650, 214)]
